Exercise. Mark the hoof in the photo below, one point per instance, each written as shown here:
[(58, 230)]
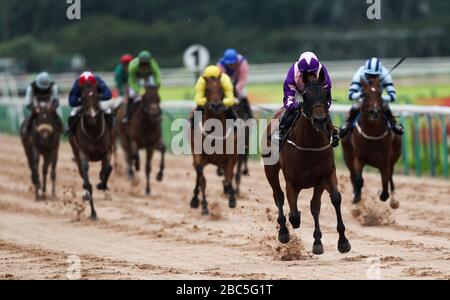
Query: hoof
[(283, 238), (102, 186), (317, 249), (93, 216), (205, 211), (86, 195), (219, 172), (356, 198), (384, 196), (194, 202), (232, 203), (295, 220), (159, 176), (147, 192), (245, 172), (344, 247)]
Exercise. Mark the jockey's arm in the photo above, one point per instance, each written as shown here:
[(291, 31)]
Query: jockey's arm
[(118, 78), (133, 82), (243, 79), (228, 90), (106, 93), (289, 91), (355, 90), (75, 95), (388, 86), (29, 98), (200, 98), (156, 71), (54, 97)]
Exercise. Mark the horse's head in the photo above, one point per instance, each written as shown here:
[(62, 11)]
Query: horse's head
[(150, 101), (90, 103), (315, 100), (214, 95), (372, 100), (45, 125)]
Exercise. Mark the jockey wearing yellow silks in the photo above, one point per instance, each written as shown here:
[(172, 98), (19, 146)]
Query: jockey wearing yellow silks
[(227, 86)]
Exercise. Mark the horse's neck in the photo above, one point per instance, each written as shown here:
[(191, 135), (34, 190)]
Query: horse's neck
[(371, 127), (221, 118), (97, 128), (306, 135)]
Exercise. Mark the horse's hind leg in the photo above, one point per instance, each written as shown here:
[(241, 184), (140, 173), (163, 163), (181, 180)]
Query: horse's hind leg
[(45, 166), (237, 177), (160, 174), (202, 185), (358, 181), (105, 172), (336, 199), (148, 169), (385, 177), (272, 173), (246, 172), (292, 192), (394, 203), (35, 173), (53, 171), (228, 183)]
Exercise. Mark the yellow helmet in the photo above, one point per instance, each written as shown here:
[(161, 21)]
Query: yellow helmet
[(212, 71)]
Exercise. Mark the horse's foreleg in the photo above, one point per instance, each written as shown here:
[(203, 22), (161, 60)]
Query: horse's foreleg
[(148, 169), (385, 178), (53, 171), (292, 192), (272, 175), (237, 177), (315, 211), (87, 187), (135, 155), (160, 174), (105, 172), (35, 173), (45, 166), (202, 184), (246, 172), (336, 199), (228, 183), (358, 181)]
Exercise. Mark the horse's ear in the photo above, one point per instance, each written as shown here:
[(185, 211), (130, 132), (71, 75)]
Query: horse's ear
[(322, 76)]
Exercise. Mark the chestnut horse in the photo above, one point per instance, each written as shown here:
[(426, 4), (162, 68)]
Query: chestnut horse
[(42, 140), (143, 131), (372, 143), (92, 141), (215, 111), (307, 161)]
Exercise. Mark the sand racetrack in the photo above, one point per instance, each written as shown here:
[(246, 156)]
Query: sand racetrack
[(161, 237)]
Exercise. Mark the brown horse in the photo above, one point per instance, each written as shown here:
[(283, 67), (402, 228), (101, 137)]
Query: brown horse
[(143, 132), (307, 161), (215, 111), (42, 140), (92, 142), (372, 143)]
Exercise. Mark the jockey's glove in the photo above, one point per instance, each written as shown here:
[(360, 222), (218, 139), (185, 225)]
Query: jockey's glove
[(356, 96), (141, 91), (228, 102)]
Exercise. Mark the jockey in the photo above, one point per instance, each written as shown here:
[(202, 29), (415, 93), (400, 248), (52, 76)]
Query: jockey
[(88, 79), (236, 67), (142, 71), (372, 70), (43, 89), (308, 64), (227, 86), (121, 74)]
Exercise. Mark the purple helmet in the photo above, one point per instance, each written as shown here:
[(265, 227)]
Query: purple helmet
[(308, 62)]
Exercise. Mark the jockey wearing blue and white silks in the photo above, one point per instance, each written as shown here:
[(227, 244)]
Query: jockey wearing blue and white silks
[(372, 69)]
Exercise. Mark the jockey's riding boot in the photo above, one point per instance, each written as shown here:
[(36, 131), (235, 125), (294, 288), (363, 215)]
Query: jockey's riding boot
[(109, 118), (348, 125), (128, 111), (398, 129), (334, 133), (71, 125), (230, 114), (246, 106), (286, 120)]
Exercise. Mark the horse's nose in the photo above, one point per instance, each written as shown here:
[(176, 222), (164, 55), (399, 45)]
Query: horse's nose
[(319, 120)]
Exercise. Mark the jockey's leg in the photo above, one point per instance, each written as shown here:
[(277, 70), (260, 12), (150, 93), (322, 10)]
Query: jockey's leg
[(73, 117), (352, 115), (333, 131), (286, 120), (398, 129), (230, 114), (130, 105), (246, 107), (109, 116), (197, 109)]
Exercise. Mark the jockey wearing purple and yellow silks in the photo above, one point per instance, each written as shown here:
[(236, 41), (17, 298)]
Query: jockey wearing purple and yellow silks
[(308, 64)]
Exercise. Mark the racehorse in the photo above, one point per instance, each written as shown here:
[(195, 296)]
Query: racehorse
[(92, 141), (143, 132), (307, 161), (214, 110), (372, 143), (42, 140)]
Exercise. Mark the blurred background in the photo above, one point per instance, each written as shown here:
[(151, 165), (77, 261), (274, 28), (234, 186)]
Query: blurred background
[(37, 36)]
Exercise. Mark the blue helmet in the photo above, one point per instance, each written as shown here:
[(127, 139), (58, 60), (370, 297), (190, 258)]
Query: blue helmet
[(230, 56), (373, 66)]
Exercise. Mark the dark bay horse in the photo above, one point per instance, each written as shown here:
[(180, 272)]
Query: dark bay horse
[(92, 141), (307, 161), (143, 132), (215, 111), (372, 143), (42, 140)]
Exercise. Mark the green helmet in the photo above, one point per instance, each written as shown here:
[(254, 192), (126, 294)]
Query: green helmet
[(145, 56)]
